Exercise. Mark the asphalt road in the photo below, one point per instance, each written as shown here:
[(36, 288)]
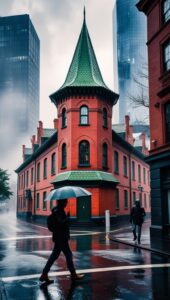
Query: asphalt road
[(112, 270)]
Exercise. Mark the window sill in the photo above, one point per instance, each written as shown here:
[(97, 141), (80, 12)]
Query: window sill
[(84, 124), (52, 174), (62, 168), (105, 168), (105, 127), (84, 166), (63, 127), (126, 176), (116, 172)]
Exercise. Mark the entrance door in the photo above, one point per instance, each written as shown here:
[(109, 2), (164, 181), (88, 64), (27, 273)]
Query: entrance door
[(84, 208), (168, 206)]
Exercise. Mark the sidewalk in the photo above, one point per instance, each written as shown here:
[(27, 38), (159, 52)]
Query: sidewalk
[(125, 236)]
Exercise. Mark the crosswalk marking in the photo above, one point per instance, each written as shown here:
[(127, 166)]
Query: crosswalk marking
[(95, 270)]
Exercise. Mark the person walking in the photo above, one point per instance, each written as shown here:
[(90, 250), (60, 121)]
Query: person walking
[(59, 225), (137, 218)]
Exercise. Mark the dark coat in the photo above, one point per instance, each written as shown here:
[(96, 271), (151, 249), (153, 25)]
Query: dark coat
[(137, 215), (61, 232)]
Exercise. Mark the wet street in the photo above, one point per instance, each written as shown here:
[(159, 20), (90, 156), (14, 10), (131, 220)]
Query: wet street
[(112, 270)]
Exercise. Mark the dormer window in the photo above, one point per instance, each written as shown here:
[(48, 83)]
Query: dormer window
[(105, 117), (64, 118), (166, 10), (84, 115)]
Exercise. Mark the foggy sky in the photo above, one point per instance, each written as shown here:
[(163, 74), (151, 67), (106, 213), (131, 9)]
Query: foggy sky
[(58, 24)]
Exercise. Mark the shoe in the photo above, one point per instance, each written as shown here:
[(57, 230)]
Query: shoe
[(75, 277), (134, 239), (45, 278)]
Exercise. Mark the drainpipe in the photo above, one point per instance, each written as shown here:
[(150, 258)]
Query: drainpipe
[(34, 211), (130, 182)]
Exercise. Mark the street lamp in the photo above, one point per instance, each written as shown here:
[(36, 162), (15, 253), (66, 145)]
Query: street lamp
[(141, 189)]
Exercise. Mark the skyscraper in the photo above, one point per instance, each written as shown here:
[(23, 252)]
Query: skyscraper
[(131, 55), (19, 75)]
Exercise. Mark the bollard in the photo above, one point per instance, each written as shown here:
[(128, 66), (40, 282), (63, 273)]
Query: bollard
[(107, 221)]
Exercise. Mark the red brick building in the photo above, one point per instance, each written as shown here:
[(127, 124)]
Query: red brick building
[(158, 20), (83, 149)]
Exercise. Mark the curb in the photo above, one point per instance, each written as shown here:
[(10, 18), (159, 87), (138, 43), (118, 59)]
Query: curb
[(3, 294), (159, 252)]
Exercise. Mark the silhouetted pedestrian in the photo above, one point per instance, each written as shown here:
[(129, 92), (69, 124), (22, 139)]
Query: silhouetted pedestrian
[(137, 218), (61, 236)]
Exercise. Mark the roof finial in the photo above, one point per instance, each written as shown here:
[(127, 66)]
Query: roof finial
[(84, 13)]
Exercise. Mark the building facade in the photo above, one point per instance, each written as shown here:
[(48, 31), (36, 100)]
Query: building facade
[(83, 149), (158, 19), (131, 56), (19, 74)]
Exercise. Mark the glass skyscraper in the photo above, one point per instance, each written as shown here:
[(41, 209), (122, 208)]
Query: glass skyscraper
[(131, 55), (19, 76)]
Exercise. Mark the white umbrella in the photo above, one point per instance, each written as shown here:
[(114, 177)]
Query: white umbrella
[(67, 192)]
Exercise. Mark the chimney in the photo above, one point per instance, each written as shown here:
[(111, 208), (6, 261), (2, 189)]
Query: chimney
[(143, 140), (55, 123), (33, 141), (39, 132), (23, 152), (127, 124)]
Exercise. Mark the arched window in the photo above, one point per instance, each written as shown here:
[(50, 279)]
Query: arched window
[(104, 154), (53, 162), (84, 153), (64, 118), (84, 115), (105, 117), (64, 156), (45, 168)]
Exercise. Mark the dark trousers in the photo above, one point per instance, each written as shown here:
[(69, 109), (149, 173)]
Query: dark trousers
[(58, 247), (137, 231)]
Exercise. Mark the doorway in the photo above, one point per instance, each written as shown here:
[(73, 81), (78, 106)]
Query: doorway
[(84, 209)]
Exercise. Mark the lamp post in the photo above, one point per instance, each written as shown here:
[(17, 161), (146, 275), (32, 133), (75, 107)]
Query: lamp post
[(141, 189)]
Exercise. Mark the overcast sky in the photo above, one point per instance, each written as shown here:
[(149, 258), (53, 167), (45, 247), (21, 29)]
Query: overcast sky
[(58, 24)]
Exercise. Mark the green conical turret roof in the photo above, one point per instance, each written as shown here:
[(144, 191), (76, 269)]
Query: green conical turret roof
[(84, 71)]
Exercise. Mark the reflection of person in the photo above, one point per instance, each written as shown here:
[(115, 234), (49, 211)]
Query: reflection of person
[(61, 236), (137, 218)]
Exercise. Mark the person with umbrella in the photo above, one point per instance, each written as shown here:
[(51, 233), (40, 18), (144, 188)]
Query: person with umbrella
[(60, 236)]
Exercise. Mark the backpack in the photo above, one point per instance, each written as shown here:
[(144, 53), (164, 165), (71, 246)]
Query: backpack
[(51, 222), (138, 215)]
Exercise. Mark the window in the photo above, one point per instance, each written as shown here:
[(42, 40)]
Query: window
[(45, 169), (64, 156), (166, 10), (53, 162), (38, 201), (144, 175), (134, 198), (139, 173), (104, 154), (27, 179), (117, 199), (84, 153), (116, 162), (145, 204), (38, 172), (148, 178), (125, 165), (166, 56), (167, 122), (84, 115), (64, 118), (44, 202), (133, 170), (125, 199), (105, 117), (32, 175)]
